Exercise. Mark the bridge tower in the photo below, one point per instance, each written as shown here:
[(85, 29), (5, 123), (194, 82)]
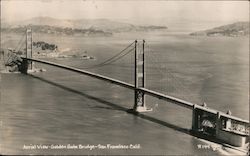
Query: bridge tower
[(139, 101), (25, 65), (29, 46)]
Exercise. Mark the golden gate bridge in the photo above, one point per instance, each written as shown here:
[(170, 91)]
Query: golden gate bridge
[(206, 122)]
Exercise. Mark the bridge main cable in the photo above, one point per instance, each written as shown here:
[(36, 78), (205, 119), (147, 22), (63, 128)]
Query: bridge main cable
[(113, 58)]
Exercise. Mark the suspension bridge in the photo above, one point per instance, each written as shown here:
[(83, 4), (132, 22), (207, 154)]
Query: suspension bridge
[(221, 126)]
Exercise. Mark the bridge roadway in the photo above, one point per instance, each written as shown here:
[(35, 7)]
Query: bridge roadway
[(117, 82), (171, 99)]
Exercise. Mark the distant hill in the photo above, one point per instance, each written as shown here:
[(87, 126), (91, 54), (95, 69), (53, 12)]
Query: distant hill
[(83, 24), (45, 29), (233, 30)]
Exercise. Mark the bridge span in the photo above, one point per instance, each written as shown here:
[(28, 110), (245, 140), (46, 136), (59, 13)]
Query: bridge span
[(155, 94), (117, 82)]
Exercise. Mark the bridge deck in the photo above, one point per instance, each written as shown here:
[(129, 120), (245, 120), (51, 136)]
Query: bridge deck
[(120, 83), (171, 99)]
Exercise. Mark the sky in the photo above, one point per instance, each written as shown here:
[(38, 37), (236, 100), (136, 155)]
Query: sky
[(138, 11)]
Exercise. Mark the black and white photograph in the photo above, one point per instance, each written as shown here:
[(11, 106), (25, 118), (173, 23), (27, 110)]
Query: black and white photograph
[(124, 77)]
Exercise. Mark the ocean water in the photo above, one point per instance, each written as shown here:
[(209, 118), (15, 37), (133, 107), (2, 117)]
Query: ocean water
[(59, 107)]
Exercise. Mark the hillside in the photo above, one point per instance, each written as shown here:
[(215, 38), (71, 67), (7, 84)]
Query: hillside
[(232, 30), (45, 29), (94, 24)]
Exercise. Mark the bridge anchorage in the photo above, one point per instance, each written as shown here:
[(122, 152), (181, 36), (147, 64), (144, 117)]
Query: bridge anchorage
[(207, 123)]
